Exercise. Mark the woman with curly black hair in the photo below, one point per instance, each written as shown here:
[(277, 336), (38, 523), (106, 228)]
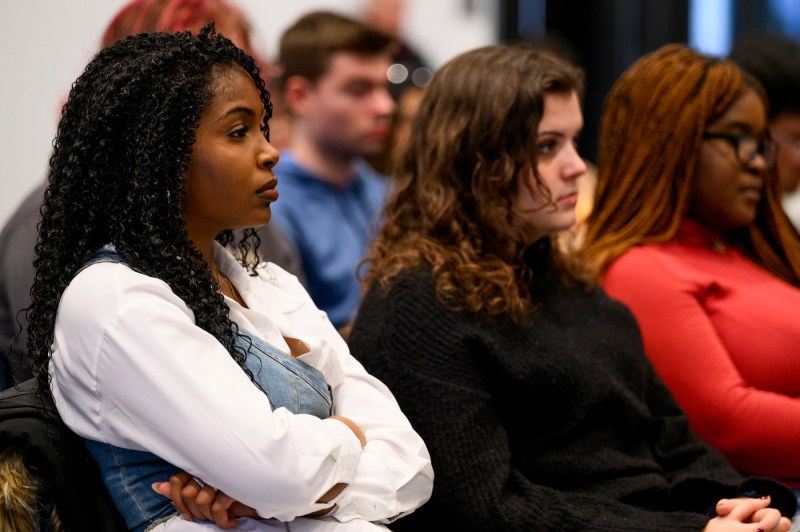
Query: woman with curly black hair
[(165, 352)]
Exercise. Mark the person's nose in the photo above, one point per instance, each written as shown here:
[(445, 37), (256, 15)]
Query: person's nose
[(268, 155), (759, 163), (383, 102), (574, 166)]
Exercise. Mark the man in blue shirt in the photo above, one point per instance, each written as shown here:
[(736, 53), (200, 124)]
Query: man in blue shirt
[(334, 85)]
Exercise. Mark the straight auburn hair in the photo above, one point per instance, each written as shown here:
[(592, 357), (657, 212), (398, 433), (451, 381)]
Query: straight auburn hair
[(650, 137)]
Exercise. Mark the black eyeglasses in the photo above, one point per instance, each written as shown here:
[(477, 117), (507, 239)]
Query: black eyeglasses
[(747, 146)]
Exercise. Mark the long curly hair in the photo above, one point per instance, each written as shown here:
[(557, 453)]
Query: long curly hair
[(472, 139), (650, 138), (117, 176)]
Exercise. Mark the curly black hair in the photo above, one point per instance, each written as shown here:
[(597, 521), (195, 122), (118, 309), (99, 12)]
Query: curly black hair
[(117, 176)]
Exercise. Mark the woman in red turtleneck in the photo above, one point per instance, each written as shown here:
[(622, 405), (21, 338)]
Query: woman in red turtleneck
[(688, 232)]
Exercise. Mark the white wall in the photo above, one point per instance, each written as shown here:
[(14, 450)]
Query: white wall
[(46, 44)]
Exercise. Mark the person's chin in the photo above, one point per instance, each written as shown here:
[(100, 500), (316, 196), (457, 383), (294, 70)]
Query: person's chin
[(792, 186), (566, 224), (749, 219), (372, 146), (260, 220), (744, 218)]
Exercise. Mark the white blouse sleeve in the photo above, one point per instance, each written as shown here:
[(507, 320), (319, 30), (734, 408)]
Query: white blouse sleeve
[(394, 474), (131, 368)]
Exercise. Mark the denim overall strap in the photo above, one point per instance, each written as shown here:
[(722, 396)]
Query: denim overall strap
[(288, 382), (128, 474)]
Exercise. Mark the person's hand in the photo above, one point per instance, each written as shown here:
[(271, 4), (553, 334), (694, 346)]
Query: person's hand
[(747, 515), (338, 488), (352, 426), (327, 497), (195, 499)]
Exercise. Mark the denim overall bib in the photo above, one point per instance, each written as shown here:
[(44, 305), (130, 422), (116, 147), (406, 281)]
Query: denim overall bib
[(128, 474)]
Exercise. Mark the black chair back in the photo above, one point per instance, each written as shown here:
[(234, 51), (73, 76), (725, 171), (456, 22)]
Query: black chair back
[(30, 424)]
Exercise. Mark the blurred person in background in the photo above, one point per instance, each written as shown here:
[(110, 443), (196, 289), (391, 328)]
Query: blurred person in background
[(688, 231), (408, 75), (775, 61), (333, 82), (408, 68)]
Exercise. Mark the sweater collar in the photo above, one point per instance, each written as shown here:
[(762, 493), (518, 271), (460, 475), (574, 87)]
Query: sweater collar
[(693, 233)]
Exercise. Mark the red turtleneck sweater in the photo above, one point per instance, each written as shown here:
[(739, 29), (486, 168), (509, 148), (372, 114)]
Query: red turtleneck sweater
[(724, 334)]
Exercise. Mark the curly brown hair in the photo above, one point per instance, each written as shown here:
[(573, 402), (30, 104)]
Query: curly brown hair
[(650, 137), (472, 139)]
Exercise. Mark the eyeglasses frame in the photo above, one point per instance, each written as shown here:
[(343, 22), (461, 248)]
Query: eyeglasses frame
[(764, 147)]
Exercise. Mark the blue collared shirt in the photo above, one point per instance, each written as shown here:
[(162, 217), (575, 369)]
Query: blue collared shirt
[(331, 227)]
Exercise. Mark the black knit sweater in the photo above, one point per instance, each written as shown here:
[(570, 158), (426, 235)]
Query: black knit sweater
[(557, 422)]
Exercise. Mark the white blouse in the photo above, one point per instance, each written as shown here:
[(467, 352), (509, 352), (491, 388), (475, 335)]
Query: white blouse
[(131, 368)]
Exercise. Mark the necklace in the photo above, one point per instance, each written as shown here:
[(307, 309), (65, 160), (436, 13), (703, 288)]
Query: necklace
[(233, 293)]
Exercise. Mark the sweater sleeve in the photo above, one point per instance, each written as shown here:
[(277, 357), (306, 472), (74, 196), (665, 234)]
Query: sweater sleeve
[(755, 429), (698, 474), (439, 373)]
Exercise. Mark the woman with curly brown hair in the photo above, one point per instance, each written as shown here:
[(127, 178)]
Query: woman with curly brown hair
[(688, 231), (527, 383), (166, 352)]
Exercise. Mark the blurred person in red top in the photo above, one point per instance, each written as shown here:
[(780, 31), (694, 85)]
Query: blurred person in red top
[(688, 231)]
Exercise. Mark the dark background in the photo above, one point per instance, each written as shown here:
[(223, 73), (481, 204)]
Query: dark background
[(606, 36)]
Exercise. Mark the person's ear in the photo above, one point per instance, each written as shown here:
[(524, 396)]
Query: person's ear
[(296, 93)]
